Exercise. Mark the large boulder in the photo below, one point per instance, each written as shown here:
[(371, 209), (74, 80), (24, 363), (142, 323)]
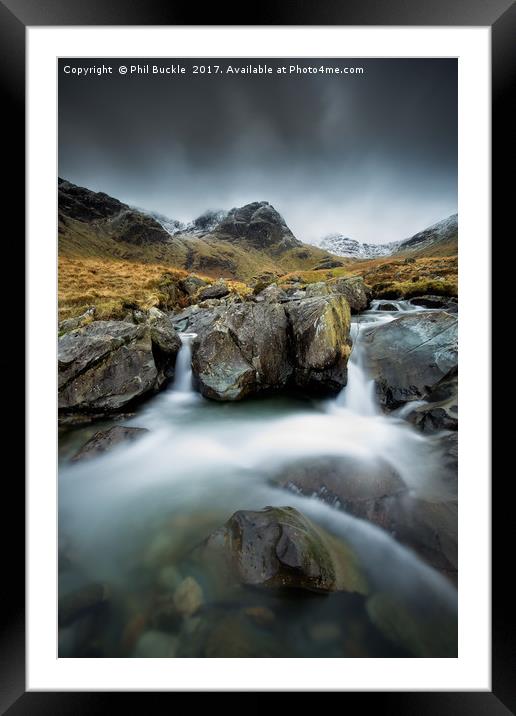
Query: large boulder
[(106, 365), (249, 348), (320, 336), (241, 350), (279, 547), (354, 289), (407, 357)]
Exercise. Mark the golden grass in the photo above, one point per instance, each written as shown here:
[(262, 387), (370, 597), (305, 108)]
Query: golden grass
[(109, 285), (113, 285)]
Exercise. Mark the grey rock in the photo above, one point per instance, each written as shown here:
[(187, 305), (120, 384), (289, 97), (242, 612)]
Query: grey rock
[(354, 289), (409, 356), (280, 547)]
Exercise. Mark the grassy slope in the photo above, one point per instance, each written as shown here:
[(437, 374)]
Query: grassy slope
[(96, 269)]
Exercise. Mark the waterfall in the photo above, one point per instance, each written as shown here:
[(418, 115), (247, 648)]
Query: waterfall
[(358, 395), (183, 374)]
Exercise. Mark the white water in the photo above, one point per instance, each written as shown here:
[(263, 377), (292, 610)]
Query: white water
[(203, 460), (183, 370)]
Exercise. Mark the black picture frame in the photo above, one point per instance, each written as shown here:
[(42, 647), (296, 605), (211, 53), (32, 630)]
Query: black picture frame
[(15, 17)]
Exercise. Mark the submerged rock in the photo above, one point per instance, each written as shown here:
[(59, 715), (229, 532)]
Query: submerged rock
[(105, 440), (106, 365), (279, 547), (188, 597), (410, 355), (353, 485)]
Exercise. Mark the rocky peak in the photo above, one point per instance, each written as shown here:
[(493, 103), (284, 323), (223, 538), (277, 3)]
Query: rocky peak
[(258, 223), (79, 203)]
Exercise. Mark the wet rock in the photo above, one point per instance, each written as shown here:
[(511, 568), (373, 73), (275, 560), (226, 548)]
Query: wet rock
[(105, 440), (106, 365), (188, 597), (241, 351), (279, 547), (386, 307), (372, 490), (216, 290), (410, 355), (440, 412), (433, 301), (319, 328), (354, 289), (81, 602), (350, 484)]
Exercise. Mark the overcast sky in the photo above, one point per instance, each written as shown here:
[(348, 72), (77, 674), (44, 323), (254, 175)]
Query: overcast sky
[(372, 156)]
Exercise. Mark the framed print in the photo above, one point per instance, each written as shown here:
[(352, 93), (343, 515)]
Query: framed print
[(258, 288)]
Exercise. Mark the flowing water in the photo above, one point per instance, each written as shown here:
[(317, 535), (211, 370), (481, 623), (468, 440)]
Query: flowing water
[(131, 517)]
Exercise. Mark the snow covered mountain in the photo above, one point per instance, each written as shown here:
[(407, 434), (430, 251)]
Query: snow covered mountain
[(438, 239), (344, 246)]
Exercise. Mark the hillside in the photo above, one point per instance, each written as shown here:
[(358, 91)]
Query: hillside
[(247, 241)]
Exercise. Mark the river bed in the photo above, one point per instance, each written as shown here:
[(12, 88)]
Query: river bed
[(132, 518)]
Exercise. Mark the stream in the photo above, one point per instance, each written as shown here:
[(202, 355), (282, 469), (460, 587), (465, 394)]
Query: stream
[(131, 517)]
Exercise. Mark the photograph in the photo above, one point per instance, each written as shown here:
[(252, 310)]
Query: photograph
[(257, 357)]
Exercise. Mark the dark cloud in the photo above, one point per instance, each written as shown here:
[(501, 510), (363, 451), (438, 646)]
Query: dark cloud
[(373, 155)]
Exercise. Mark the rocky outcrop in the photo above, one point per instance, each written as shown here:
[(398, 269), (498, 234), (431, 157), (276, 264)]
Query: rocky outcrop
[(279, 547), (409, 356), (106, 365), (356, 292), (249, 348), (105, 440)]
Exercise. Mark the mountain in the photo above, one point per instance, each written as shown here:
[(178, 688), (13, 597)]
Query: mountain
[(351, 248), (242, 243), (440, 239)]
